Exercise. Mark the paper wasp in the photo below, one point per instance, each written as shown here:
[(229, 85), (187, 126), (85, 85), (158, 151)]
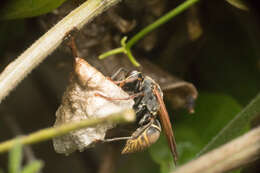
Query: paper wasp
[(148, 106)]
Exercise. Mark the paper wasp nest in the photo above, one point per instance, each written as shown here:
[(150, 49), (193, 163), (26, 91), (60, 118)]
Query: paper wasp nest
[(79, 102)]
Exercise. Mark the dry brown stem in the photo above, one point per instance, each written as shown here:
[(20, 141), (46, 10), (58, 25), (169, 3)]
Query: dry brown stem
[(230, 156)]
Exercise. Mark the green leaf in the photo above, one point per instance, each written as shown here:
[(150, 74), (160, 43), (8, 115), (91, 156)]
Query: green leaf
[(239, 123), (15, 158), (33, 167), (14, 9), (240, 4), (193, 132), (213, 113)]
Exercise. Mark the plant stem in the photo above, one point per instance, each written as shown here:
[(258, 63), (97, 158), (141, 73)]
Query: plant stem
[(181, 8), (33, 167), (49, 133), (17, 70), (132, 58), (125, 48), (111, 52), (15, 158)]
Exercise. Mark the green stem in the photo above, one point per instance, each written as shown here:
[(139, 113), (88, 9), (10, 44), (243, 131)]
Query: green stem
[(111, 52), (125, 47), (15, 157), (181, 8), (132, 58), (49, 133), (33, 167)]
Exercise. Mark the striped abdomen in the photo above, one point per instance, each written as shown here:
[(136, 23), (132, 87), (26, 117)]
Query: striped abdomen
[(143, 137)]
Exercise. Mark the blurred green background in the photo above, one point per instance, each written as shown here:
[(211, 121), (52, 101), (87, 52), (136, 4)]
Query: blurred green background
[(214, 45)]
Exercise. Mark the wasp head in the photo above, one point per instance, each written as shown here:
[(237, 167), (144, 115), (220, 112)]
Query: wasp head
[(134, 79)]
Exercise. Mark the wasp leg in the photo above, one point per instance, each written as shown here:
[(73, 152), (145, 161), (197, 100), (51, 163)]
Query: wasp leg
[(116, 139), (145, 119), (125, 81), (126, 98), (128, 80), (121, 83), (136, 133), (118, 72), (121, 71)]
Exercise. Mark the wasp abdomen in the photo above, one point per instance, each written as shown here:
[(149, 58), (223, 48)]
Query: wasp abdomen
[(145, 139)]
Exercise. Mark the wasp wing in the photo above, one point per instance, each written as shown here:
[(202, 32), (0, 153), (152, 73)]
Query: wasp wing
[(167, 127)]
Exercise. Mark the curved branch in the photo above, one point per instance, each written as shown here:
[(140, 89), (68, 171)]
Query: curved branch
[(49, 133), (38, 51)]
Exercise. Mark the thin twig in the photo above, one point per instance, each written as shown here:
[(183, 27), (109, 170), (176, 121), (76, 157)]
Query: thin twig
[(126, 46), (162, 20), (37, 52), (49, 133), (230, 156)]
